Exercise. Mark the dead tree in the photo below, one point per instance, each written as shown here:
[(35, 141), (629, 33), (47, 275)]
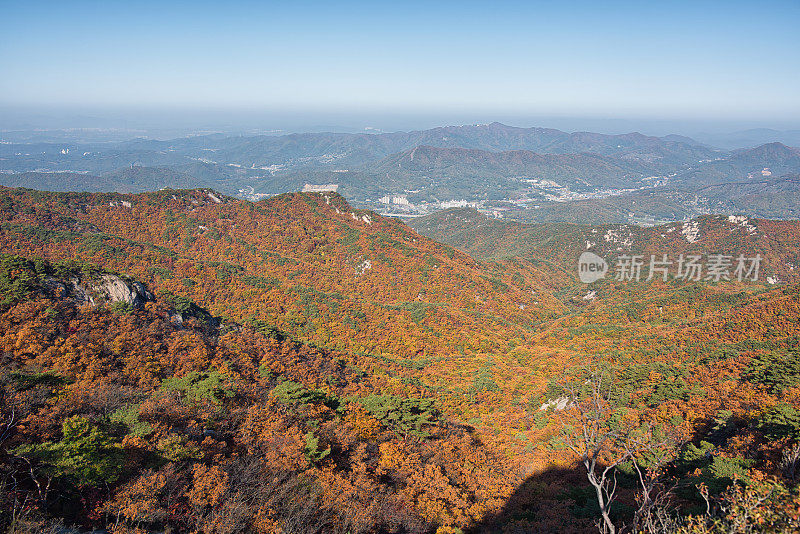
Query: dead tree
[(602, 444), (594, 441)]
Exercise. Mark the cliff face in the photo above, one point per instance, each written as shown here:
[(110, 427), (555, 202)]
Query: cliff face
[(114, 289), (103, 289)]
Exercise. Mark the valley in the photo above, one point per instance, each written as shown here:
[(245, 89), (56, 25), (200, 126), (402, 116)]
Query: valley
[(484, 324), (534, 174), (399, 268)]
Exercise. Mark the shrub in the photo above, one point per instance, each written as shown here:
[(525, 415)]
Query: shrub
[(195, 387), (404, 416), (129, 416), (776, 370), (26, 381), (289, 392), (121, 307), (177, 448), (311, 450), (782, 420), (714, 471), (484, 381), (85, 454)]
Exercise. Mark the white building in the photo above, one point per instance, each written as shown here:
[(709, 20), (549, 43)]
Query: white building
[(400, 200), (457, 204), (320, 188)]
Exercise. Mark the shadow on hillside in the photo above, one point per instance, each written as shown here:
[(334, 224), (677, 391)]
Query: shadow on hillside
[(548, 502)]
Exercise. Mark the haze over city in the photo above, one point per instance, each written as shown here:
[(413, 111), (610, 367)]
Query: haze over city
[(615, 66)]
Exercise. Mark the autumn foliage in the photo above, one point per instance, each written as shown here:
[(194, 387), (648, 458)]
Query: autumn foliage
[(301, 366)]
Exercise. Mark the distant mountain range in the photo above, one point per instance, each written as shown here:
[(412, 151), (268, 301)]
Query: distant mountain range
[(744, 165), (752, 137), (529, 173), (579, 170), (311, 149), (358, 148)]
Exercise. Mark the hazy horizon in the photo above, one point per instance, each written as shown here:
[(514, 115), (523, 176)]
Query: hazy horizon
[(274, 267), (164, 122), (622, 66)]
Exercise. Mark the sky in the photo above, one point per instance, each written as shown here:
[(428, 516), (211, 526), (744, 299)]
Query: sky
[(674, 60)]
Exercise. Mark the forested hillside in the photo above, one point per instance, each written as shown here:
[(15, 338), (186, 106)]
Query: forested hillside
[(185, 360), (154, 415), (307, 262), (560, 244)]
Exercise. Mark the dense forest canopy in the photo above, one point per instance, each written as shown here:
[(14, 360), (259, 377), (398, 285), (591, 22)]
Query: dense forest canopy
[(188, 362)]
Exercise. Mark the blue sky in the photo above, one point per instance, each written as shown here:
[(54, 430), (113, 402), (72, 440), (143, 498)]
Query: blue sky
[(660, 59)]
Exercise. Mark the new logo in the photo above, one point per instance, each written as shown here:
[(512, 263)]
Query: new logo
[(591, 267)]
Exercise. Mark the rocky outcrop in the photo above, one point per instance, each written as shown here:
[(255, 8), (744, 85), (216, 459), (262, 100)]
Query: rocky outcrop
[(105, 289), (557, 404), (112, 288)]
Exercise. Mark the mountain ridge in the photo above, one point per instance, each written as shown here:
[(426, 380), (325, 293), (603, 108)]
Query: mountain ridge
[(351, 351)]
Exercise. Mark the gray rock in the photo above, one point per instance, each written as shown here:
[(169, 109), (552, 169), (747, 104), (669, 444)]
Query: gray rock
[(115, 289)]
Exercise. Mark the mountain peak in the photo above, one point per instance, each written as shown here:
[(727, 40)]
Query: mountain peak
[(774, 149), (775, 145)]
